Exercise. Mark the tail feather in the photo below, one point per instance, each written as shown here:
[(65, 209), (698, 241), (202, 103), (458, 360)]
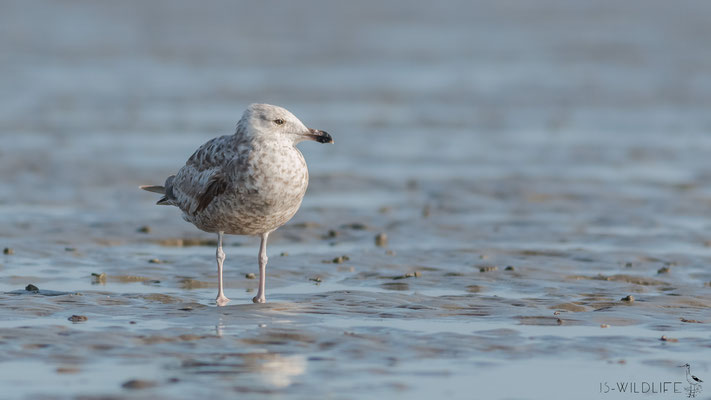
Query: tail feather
[(166, 191), (153, 188)]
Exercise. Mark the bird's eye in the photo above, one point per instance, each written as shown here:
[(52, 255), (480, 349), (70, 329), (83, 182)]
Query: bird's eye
[(279, 121)]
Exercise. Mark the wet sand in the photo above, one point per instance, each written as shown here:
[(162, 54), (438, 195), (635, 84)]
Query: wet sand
[(540, 173)]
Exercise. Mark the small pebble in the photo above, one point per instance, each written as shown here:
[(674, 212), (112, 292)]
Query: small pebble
[(628, 298), (132, 322), (284, 254), (628, 265), (316, 279), (381, 239), (250, 275), (604, 326), (426, 211), (331, 234), (415, 274), (340, 260), (8, 250), (98, 278), (78, 318), (31, 288), (474, 288), (356, 226), (70, 249), (155, 261), (663, 270), (68, 370), (138, 384), (144, 229), (666, 339), (510, 268), (488, 268)]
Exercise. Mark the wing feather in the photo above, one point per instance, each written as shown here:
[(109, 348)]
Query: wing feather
[(205, 176), (216, 185)]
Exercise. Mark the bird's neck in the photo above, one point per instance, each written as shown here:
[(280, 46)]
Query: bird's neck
[(271, 143)]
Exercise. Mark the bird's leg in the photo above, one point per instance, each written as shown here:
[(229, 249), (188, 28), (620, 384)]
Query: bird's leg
[(221, 300), (260, 297)]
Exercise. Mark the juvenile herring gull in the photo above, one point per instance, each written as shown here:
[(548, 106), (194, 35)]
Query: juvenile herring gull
[(249, 183)]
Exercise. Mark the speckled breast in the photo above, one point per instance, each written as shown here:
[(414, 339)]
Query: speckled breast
[(261, 197)]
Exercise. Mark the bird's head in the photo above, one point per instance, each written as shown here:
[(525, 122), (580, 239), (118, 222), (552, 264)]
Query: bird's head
[(277, 123)]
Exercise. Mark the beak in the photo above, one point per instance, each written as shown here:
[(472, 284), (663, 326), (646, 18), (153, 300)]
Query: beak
[(319, 136)]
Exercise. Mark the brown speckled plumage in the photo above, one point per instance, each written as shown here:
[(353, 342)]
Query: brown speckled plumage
[(240, 185), (249, 183)]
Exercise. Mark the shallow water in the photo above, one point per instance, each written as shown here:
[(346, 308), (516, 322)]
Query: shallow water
[(568, 141)]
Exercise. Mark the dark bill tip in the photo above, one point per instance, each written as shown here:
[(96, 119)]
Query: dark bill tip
[(320, 136)]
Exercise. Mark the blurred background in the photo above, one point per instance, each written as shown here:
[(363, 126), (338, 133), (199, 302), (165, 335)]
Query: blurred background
[(96, 92), (567, 139)]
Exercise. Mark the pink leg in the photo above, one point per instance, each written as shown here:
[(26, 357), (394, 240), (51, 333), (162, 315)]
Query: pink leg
[(221, 300), (260, 297)]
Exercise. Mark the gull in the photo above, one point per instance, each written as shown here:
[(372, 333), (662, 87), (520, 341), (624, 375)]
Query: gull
[(249, 183)]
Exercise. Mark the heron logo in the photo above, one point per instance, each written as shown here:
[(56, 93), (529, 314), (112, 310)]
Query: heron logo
[(694, 387)]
